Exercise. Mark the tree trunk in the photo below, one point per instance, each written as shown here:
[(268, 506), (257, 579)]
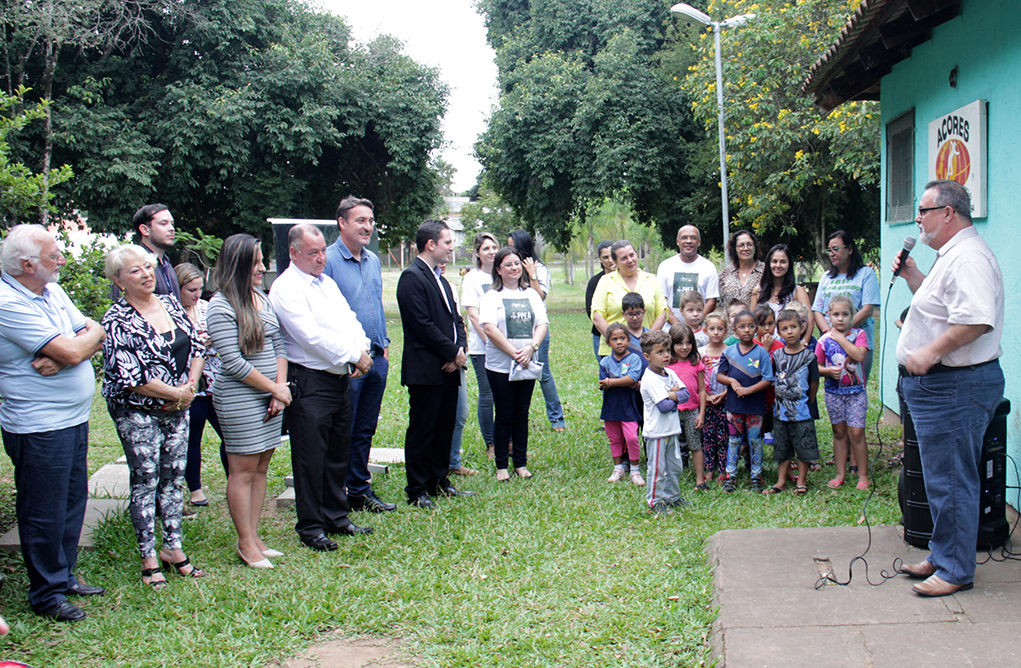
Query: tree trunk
[(48, 70), (590, 251), (569, 268)]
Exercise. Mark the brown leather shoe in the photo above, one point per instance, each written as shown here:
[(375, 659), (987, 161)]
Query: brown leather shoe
[(464, 470), (937, 586), (920, 570)]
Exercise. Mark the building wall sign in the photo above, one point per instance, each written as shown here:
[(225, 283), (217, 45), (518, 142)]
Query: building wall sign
[(957, 151)]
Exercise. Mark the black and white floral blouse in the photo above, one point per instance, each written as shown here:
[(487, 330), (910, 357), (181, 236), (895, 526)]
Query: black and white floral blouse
[(134, 353)]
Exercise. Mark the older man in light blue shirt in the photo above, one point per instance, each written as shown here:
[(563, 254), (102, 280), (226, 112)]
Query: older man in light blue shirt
[(47, 384), (359, 275)]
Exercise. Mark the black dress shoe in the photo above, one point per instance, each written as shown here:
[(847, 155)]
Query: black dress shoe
[(320, 543), (85, 590), (371, 503), (62, 611), (453, 491), (349, 529), (422, 502)]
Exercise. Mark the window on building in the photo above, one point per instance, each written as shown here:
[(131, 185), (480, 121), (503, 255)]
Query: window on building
[(900, 168)]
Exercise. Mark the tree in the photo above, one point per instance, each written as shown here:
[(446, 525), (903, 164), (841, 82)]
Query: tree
[(586, 113), (233, 111), (794, 175), (21, 190)]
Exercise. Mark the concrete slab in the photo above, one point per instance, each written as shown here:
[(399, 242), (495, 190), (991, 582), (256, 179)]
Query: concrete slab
[(286, 500), (387, 455), (111, 481), (96, 511), (772, 615)]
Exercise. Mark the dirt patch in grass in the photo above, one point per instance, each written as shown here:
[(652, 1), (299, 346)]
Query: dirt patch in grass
[(339, 651)]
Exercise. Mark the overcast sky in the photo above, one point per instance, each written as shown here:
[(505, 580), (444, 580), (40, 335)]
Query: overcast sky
[(449, 35)]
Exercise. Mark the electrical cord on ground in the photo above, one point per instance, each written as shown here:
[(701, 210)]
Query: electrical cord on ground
[(884, 574), (1006, 552)]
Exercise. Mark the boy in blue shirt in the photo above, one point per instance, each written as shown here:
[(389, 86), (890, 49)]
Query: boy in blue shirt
[(746, 371), (797, 384)]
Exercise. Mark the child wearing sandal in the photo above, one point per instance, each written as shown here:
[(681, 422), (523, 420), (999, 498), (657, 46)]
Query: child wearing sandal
[(840, 353), (691, 372), (797, 383), (746, 370), (619, 374), (714, 427)]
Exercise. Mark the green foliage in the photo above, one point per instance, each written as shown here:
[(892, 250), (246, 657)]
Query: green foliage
[(22, 191), (587, 113), (200, 248), (234, 111), (83, 277), (488, 213), (794, 175)]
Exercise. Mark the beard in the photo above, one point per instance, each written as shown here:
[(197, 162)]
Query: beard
[(926, 237), (49, 276)]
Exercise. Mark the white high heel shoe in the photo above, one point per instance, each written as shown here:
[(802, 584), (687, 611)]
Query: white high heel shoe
[(262, 563)]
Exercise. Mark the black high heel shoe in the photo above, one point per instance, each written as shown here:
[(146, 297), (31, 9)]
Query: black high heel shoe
[(155, 584), (180, 566)]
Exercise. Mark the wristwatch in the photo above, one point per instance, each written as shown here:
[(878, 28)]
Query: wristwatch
[(535, 347), (534, 278)]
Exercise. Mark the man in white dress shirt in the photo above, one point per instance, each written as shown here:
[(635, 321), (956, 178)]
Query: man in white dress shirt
[(325, 346)]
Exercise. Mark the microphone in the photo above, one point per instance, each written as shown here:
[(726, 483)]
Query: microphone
[(909, 243)]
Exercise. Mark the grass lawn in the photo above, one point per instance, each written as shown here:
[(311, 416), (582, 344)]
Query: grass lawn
[(564, 569)]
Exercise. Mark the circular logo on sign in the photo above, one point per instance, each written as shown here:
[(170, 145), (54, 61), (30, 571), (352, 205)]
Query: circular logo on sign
[(953, 161)]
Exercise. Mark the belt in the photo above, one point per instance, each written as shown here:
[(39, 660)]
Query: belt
[(321, 372), (940, 368)]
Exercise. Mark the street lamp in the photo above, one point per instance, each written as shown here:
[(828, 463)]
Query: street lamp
[(689, 14)]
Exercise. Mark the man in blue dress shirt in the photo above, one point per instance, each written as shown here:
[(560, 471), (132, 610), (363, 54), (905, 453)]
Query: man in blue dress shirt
[(359, 274)]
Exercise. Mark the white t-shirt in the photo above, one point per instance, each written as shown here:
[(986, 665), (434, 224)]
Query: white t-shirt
[(545, 277), (526, 312), (474, 284), (676, 277), (655, 388)]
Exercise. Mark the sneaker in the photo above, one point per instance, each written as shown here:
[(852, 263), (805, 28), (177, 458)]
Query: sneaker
[(758, 485), (637, 479), (702, 487), (768, 438), (729, 486), (662, 509), (679, 502), (616, 476)]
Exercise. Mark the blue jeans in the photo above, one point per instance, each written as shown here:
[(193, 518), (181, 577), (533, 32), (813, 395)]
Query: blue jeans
[(52, 481), (459, 421), (951, 412), (485, 408), (595, 347), (366, 397), (554, 410)]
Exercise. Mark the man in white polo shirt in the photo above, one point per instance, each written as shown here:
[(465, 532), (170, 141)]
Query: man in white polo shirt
[(47, 384)]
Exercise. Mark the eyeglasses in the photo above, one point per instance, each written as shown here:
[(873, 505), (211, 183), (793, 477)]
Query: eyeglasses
[(922, 210), (637, 314), (52, 256), (747, 245), (835, 249)]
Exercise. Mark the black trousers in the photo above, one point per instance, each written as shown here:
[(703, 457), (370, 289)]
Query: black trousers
[(319, 423), (432, 412), (511, 401)]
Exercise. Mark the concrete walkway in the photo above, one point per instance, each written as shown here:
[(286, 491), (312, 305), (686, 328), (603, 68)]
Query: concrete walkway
[(771, 614)]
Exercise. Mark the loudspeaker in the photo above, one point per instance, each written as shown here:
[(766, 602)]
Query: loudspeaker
[(993, 529)]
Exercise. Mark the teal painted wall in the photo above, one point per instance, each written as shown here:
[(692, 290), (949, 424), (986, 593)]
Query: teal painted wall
[(984, 43)]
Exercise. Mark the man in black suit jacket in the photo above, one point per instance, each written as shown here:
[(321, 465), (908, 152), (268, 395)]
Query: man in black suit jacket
[(434, 343)]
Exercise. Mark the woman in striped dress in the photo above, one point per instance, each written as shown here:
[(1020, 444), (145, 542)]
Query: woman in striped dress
[(251, 391)]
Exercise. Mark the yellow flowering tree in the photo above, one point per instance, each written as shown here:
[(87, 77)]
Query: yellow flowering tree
[(794, 175)]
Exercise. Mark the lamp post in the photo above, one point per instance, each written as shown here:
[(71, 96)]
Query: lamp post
[(689, 14)]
